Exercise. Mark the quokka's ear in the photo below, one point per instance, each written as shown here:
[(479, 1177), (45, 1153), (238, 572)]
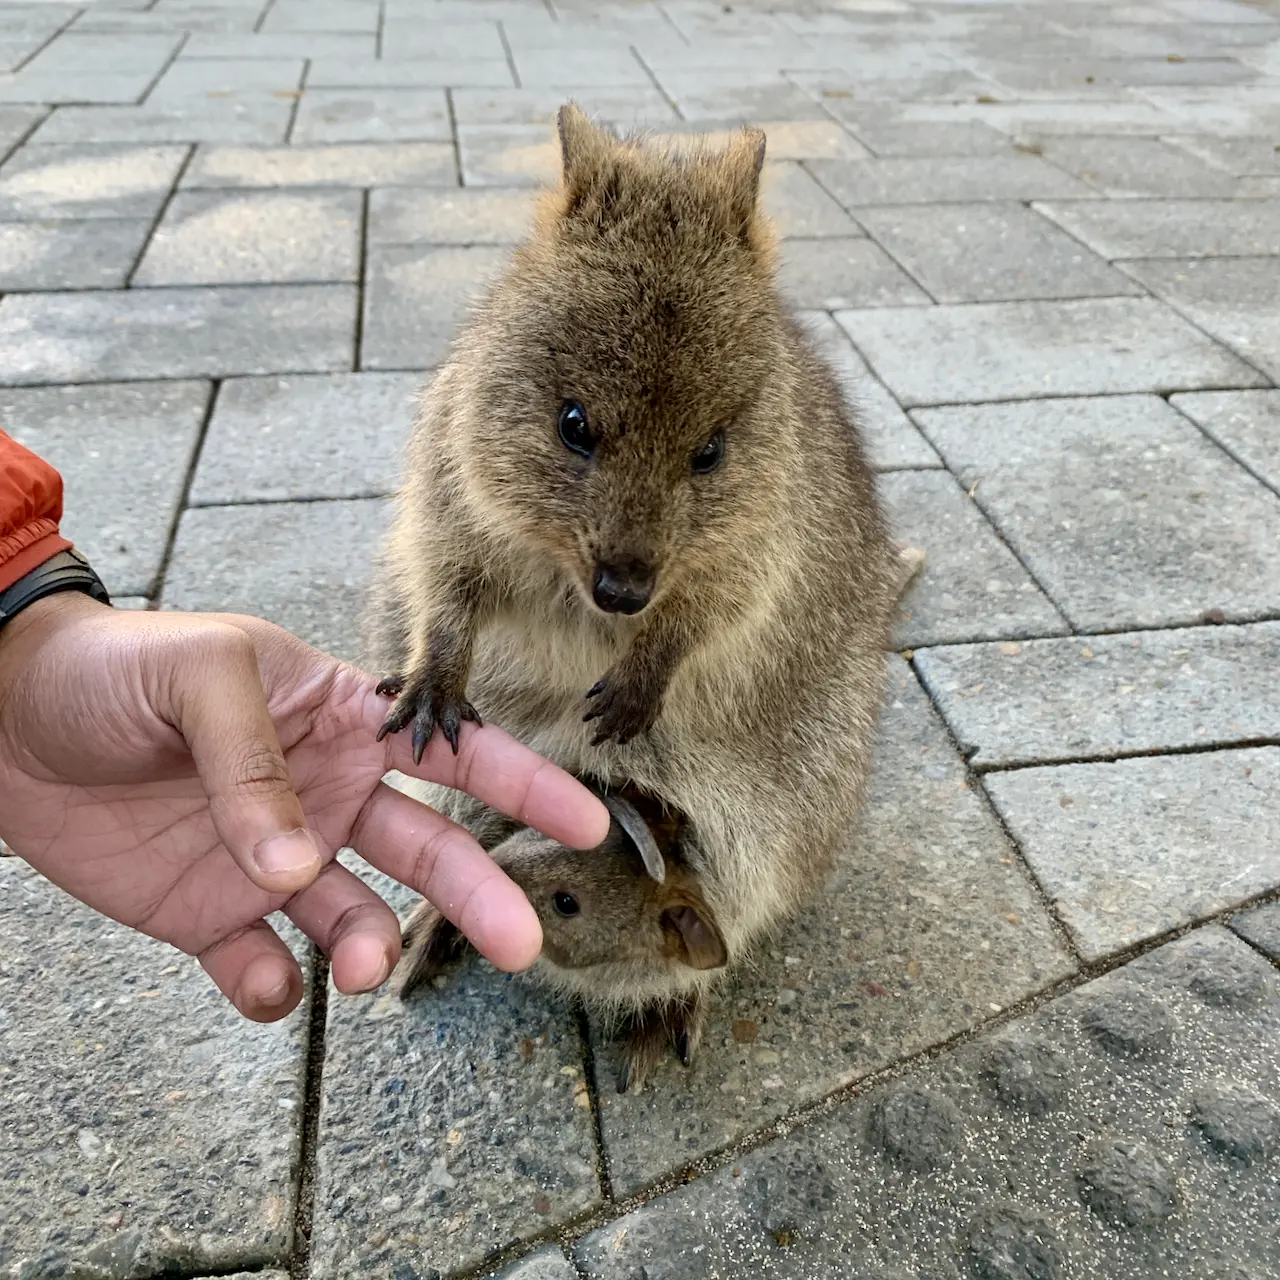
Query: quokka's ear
[(584, 151), (737, 178)]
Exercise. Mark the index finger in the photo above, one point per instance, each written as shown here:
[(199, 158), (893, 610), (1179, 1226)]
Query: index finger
[(492, 766)]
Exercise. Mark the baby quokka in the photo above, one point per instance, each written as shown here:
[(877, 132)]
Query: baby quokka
[(638, 532)]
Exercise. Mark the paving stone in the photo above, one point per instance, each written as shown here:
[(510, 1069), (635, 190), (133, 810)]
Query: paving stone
[(336, 435), (1261, 927), (1134, 166), (410, 73), (508, 155), (890, 963), (799, 206), (1103, 696), (990, 252), (262, 120), (30, 85), (1120, 507), (1007, 350), (808, 140), (892, 440), (88, 181), (445, 1136), (415, 300), (844, 272), (972, 586), (374, 115), (321, 15), (75, 53), (1236, 300), (70, 255), (354, 165), (458, 216), (604, 66), (930, 179), (1245, 423), (443, 37), (623, 108), (891, 137), (16, 123), (304, 565), (1129, 849), (147, 333), (1238, 156), (283, 44), (546, 1264), (123, 451), (1126, 115), (1171, 228), (149, 1129), (733, 104), (257, 237), (197, 79), (1059, 1157), (133, 603)]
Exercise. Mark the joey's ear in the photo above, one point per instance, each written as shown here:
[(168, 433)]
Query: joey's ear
[(738, 176), (583, 150), (693, 935)]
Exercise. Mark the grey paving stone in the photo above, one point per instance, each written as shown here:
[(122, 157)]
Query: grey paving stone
[(546, 1264), (352, 165), (262, 121), (1050, 1148), (1245, 423), (123, 451), (255, 237), (322, 15), (148, 333), (1007, 350), (92, 181), (304, 565), (1261, 927), (893, 442), (604, 66), (374, 115), (972, 586), (1237, 300), (70, 255), (1129, 849), (624, 108), (415, 300), (282, 44), (196, 79), (30, 85), (410, 73), (335, 435), (805, 140), (929, 179), (458, 216), (1240, 156), (990, 252), (1121, 508), (77, 52), (888, 964), (892, 137), (130, 602), (469, 32), (844, 272), (1171, 228), (149, 1128), (451, 1125), (16, 123), (508, 155), (799, 206), (1044, 701), (1134, 166), (1126, 115)]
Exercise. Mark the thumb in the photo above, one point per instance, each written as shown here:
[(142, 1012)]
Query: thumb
[(221, 711)]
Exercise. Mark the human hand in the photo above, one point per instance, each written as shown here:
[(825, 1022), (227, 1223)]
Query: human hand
[(189, 774)]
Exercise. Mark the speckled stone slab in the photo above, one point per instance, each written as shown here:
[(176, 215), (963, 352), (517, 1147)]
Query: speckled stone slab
[(451, 1126), (1129, 1129), (1261, 927), (1050, 700), (1130, 849), (148, 1128), (928, 926), (546, 1264)]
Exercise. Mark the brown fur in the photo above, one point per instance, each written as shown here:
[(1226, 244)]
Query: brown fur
[(745, 694)]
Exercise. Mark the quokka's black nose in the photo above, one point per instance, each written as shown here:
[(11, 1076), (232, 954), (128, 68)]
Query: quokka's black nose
[(622, 589)]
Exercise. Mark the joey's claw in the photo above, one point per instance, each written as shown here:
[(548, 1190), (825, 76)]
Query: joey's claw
[(390, 686), (683, 1048)]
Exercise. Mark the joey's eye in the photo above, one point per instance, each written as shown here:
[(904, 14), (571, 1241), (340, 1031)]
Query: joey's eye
[(565, 904), (708, 457), (575, 431)]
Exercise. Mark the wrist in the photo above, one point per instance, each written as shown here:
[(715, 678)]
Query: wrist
[(64, 574)]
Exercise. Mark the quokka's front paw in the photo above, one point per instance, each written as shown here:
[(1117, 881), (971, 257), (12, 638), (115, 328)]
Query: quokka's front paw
[(431, 945), (623, 708), (426, 700)]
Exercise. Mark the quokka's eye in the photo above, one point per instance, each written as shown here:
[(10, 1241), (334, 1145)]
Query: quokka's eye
[(709, 457), (575, 430), (565, 904)]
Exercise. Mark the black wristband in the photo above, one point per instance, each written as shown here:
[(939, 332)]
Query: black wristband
[(67, 571)]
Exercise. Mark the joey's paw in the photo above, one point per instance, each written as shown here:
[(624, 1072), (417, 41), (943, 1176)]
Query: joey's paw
[(425, 701), (622, 709), (431, 945), (651, 1033)]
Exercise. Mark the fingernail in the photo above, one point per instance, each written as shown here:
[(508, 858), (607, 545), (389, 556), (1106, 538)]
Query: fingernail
[(288, 854), (276, 996), (384, 972)]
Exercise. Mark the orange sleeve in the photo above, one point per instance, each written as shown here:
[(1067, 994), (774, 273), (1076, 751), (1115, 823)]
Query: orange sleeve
[(30, 509)]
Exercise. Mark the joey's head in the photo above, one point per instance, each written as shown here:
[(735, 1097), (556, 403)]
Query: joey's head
[(626, 902), (624, 376)]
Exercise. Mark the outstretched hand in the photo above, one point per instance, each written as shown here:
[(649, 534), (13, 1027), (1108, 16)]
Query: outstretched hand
[(189, 774)]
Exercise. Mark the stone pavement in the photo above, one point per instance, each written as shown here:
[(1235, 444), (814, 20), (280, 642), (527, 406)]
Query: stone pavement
[(1032, 1030)]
